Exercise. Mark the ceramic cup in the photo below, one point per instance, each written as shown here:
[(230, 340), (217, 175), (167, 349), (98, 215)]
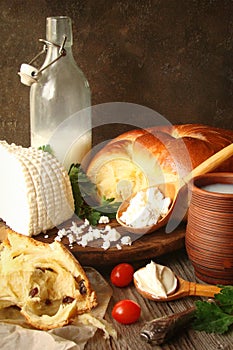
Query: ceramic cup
[(209, 232)]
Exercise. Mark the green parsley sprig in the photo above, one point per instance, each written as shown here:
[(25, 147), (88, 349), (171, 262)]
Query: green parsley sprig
[(87, 203), (215, 317)]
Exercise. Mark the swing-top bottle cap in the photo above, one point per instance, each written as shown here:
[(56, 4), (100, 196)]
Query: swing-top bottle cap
[(57, 27), (27, 74)]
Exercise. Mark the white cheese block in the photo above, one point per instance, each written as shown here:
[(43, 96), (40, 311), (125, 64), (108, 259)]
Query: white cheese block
[(35, 190)]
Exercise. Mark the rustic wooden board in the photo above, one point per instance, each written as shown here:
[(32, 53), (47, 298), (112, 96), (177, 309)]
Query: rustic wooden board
[(145, 247)]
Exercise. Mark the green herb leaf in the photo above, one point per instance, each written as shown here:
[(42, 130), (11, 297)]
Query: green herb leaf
[(209, 317), (225, 299), (215, 317), (94, 217), (46, 148), (87, 203)]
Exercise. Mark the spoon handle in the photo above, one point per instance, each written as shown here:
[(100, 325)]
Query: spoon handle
[(211, 163), (203, 290)]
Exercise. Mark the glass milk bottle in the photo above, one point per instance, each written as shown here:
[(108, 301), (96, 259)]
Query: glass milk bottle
[(60, 99)]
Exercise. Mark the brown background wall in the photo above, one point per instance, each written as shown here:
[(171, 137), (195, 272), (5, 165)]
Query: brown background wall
[(174, 56)]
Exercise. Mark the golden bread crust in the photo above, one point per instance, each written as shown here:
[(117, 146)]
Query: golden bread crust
[(155, 155)]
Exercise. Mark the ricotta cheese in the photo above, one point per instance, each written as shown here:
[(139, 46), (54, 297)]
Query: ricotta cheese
[(35, 190), (146, 208)]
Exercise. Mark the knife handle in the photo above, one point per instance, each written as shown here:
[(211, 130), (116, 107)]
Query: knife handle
[(160, 330)]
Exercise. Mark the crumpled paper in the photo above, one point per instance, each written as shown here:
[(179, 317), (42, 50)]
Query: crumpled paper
[(15, 333)]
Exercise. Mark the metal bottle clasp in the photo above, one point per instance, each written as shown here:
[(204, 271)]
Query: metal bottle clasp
[(29, 74)]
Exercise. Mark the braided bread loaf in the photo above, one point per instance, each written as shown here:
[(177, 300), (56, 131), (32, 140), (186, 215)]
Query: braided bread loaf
[(140, 158)]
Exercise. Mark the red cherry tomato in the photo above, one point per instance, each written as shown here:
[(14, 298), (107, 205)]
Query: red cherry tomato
[(126, 311), (122, 275)]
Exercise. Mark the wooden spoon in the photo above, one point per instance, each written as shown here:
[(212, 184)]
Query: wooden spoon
[(176, 190), (184, 288)]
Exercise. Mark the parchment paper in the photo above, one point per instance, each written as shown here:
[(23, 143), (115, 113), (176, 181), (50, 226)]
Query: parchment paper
[(15, 333)]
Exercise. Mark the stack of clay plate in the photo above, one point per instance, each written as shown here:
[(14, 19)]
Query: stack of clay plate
[(209, 233)]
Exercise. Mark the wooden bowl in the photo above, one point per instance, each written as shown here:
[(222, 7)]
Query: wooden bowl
[(209, 232)]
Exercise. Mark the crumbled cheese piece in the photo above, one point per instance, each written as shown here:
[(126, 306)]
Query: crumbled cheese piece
[(71, 238), (96, 234), (61, 233), (85, 234), (86, 223), (112, 236), (126, 240), (104, 219), (146, 208), (106, 245), (107, 228)]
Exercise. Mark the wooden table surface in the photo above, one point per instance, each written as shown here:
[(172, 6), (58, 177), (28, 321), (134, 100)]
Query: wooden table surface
[(128, 336)]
